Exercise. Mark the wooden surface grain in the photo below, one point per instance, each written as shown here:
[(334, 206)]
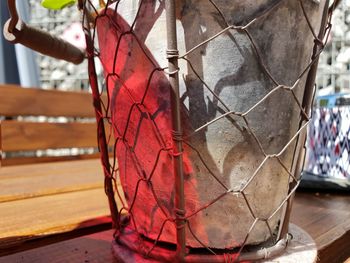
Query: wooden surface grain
[(58, 198), (28, 181), (44, 203), (16, 101), (30, 218), (326, 217), (49, 201), (44, 199), (26, 136), (22, 132)]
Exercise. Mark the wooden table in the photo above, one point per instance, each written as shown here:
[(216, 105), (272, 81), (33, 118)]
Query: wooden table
[(326, 217), (40, 201)]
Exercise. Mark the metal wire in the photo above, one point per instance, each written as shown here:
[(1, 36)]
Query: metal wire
[(139, 110)]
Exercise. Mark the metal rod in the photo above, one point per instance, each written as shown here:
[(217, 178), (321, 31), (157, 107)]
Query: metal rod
[(102, 141), (173, 57), (307, 105), (334, 5)]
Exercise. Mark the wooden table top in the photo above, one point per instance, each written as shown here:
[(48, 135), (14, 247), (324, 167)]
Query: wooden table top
[(40, 200), (326, 217), (66, 199)]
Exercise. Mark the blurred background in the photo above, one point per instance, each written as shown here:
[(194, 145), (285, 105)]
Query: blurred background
[(20, 65)]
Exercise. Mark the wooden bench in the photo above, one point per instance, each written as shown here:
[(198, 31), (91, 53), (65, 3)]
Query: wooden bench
[(61, 190)]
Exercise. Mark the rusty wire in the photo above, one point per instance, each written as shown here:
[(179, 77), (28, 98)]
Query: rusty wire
[(120, 136)]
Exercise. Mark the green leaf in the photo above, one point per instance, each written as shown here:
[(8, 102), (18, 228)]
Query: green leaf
[(56, 4)]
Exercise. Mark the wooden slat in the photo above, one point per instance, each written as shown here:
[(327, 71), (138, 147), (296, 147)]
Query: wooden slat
[(26, 136), (47, 159), (34, 217), (16, 101), (41, 200), (27, 181)]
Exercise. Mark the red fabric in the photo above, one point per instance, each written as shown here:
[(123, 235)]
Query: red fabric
[(142, 125)]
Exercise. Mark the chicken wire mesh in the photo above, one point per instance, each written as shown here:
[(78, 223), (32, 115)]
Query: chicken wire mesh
[(327, 161), (176, 196)]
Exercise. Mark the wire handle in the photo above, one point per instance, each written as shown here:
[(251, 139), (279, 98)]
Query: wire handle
[(16, 31)]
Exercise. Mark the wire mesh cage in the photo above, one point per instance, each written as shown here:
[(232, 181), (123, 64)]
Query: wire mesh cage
[(207, 107), (327, 159)]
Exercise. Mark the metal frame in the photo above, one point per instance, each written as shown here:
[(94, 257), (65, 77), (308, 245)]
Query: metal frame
[(172, 54), (19, 32)]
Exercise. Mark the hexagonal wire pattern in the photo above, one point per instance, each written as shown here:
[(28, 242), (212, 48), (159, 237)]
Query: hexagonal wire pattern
[(179, 217)]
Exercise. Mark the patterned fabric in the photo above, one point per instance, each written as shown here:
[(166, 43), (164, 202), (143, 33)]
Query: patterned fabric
[(328, 143)]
